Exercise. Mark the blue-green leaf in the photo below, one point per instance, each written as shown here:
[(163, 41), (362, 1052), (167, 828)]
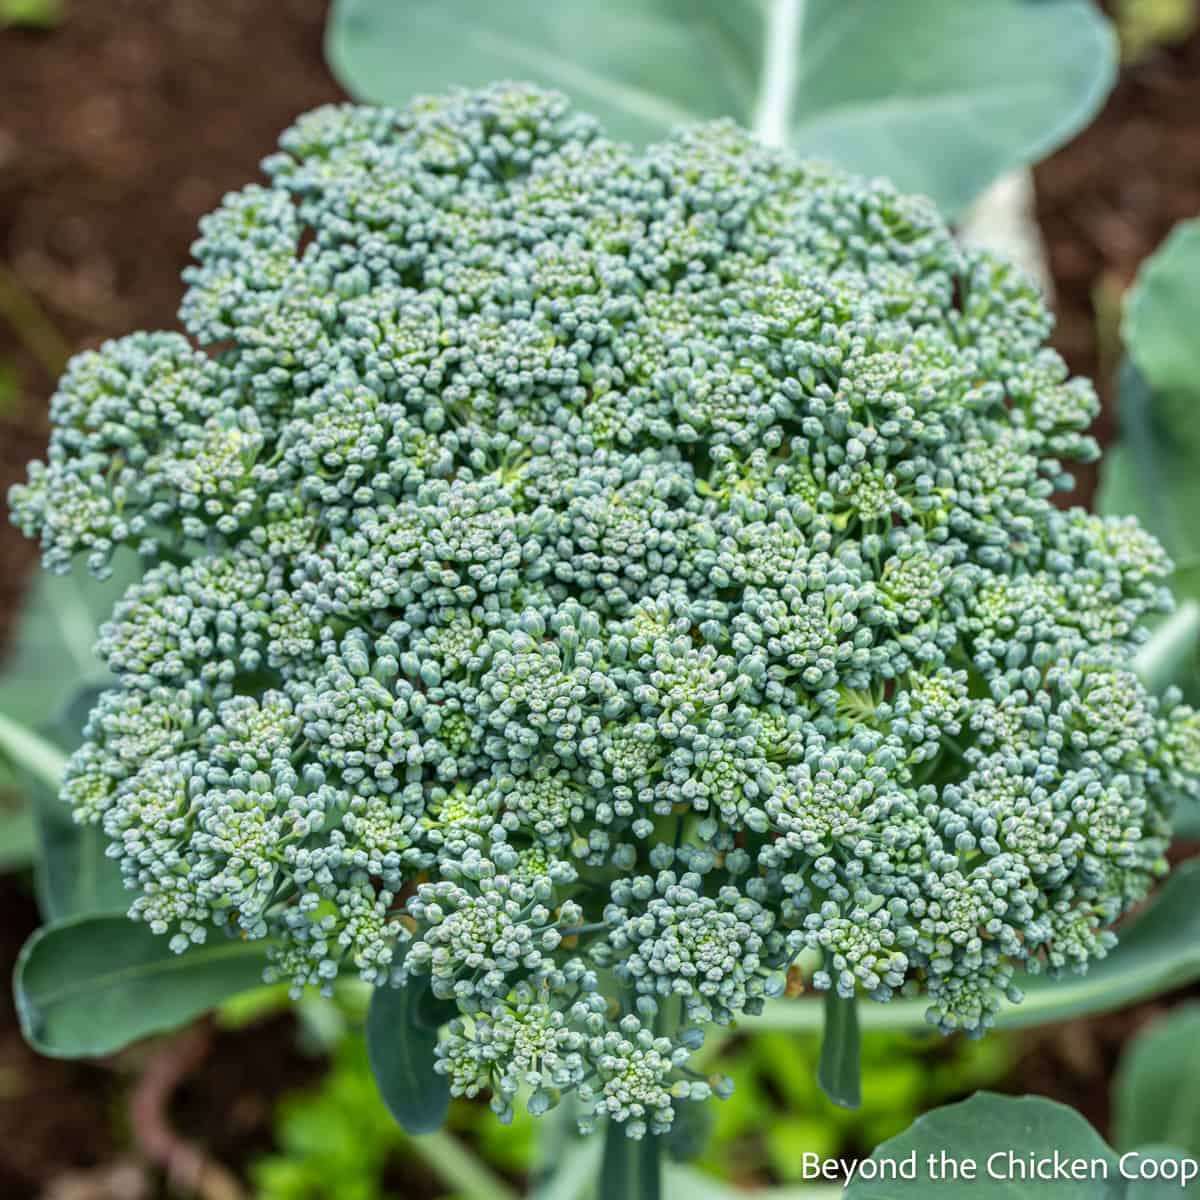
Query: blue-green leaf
[(940, 96), (1152, 472), (72, 872), (1159, 327), (90, 985), (400, 1045), (51, 660), (52, 644), (18, 837), (1157, 1092), (997, 1147)]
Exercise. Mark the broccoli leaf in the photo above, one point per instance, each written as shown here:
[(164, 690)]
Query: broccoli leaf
[(1161, 316), (18, 838), (50, 658), (90, 985), (940, 96), (52, 645), (72, 873), (1152, 473), (401, 1037), (1157, 1091), (996, 1146)]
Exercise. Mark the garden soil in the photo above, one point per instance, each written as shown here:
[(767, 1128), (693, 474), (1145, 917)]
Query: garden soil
[(118, 130)]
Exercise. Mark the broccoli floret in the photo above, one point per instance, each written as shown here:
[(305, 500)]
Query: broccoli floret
[(592, 580)]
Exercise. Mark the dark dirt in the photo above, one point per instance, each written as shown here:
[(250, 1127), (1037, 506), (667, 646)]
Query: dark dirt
[(1106, 201), (53, 1115), (118, 130), (64, 1119)]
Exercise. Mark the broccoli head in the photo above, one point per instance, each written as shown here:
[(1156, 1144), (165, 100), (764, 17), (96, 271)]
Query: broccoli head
[(595, 581)]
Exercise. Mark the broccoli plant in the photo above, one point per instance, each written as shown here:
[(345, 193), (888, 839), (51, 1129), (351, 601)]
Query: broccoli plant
[(585, 586)]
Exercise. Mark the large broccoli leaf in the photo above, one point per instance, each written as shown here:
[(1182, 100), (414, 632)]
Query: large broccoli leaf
[(940, 96)]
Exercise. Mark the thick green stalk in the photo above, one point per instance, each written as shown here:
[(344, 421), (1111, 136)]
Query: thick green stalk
[(631, 1168), (838, 1071)]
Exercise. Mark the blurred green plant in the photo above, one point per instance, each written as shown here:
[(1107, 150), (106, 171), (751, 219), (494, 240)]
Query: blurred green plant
[(777, 1111), (10, 390), (32, 14), (1144, 25), (1157, 1089), (19, 308), (338, 1139), (334, 1140)]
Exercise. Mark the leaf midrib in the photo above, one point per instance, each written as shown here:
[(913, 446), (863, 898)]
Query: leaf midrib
[(188, 960)]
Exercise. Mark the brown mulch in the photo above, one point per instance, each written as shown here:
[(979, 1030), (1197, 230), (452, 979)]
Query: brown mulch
[(118, 130), (1108, 199), (62, 1119)]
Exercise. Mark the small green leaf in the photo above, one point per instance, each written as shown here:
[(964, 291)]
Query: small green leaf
[(938, 95), (400, 1046), (838, 1070), (690, 1132), (429, 1013), (48, 682), (995, 1138), (631, 1168), (73, 876), (26, 752), (90, 985), (1158, 1085), (1158, 950)]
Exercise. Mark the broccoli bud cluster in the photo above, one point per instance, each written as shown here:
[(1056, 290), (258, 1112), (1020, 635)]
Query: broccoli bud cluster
[(595, 581)]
